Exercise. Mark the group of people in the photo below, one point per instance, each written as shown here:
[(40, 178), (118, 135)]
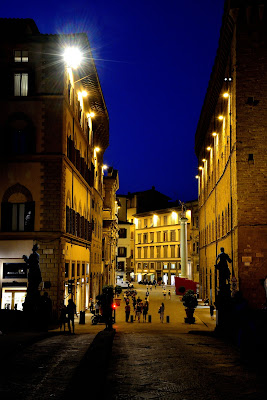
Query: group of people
[(140, 307), (67, 315)]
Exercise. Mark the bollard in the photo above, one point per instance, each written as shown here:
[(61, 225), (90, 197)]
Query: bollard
[(167, 319), (149, 318), (131, 318), (82, 318)]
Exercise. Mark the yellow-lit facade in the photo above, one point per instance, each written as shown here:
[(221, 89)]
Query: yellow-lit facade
[(51, 167), (232, 183), (157, 244)]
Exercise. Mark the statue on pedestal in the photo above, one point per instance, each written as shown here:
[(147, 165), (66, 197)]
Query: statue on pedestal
[(34, 275), (222, 266)]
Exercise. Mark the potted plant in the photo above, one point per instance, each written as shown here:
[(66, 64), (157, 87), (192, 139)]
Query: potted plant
[(190, 302)]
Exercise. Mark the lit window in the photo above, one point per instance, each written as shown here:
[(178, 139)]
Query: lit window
[(21, 56), (17, 217), (21, 84)]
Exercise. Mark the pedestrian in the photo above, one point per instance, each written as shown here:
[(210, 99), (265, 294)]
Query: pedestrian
[(134, 302), (62, 316), (127, 312), (138, 311), (164, 293), (97, 307), (211, 310), (46, 310), (169, 294), (71, 310), (145, 310), (147, 293), (161, 312)]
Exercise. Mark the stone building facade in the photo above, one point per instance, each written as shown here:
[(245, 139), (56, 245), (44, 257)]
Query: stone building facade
[(54, 131), (154, 236), (231, 147)]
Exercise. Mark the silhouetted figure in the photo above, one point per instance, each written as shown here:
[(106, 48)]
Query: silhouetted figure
[(71, 310), (222, 266), (45, 310), (34, 274), (62, 317)]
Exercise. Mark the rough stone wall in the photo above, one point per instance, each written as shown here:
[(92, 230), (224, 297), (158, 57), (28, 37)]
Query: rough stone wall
[(251, 108)]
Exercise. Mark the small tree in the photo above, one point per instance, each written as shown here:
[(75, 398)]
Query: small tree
[(189, 299)]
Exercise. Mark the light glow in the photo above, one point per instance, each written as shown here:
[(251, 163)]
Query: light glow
[(200, 168), (72, 57), (92, 114), (97, 149), (220, 117), (105, 166), (155, 219), (226, 95), (84, 93), (214, 134), (209, 148), (204, 159), (197, 176)]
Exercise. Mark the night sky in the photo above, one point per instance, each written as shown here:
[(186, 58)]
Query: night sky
[(154, 60)]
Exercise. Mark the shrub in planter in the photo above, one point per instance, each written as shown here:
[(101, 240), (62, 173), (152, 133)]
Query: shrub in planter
[(190, 302)]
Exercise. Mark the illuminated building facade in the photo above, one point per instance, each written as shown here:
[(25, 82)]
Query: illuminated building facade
[(155, 237), (231, 147), (54, 130)]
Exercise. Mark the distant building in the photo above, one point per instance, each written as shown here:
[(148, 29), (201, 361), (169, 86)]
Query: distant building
[(231, 147), (110, 227), (53, 137), (155, 237)]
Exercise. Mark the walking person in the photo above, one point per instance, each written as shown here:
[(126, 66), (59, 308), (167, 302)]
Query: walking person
[(164, 293), (161, 312), (138, 311), (145, 310), (62, 317), (71, 310), (211, 311), (127, 312), (169, 294)]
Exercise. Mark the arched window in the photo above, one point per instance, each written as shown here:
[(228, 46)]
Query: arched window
[(17, 210)]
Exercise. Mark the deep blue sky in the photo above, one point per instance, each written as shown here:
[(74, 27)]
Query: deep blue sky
[(154, 60)]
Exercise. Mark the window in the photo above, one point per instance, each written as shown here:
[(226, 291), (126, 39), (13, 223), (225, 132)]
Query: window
[(165, 266), (21, 56), (66, 270), (158, 251), (139, 252), (18, 217), (172, 236), (122, 251), (172, 266), (139, 238), (151, 237), (145, 238), (21, 84), (132, 235), (158, 236), (151, 251), (145, 252), (172, 251), (121, 265), (122, 233), (165, 220), (165, 251), (78, 269), (152, 266), (165, 236), (145, 223)]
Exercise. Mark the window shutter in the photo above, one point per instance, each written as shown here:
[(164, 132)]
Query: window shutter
[(67, 219), (6, 217), (29, 216)]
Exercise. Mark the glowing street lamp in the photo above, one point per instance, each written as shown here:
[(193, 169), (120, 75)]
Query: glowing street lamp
[(72, 56), (220, 117)]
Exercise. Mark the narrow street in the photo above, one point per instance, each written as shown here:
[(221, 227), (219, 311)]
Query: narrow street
[(149, 361), (175, 360)]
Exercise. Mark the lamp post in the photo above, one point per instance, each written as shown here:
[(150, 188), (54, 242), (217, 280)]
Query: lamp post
[(183, 240)]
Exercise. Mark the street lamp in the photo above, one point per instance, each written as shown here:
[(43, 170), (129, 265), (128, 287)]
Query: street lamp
[(72, 57)]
